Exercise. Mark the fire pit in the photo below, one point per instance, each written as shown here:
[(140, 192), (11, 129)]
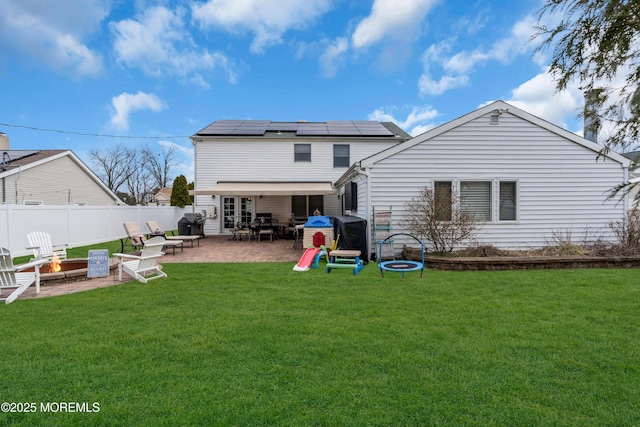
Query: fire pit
[(68, 271)]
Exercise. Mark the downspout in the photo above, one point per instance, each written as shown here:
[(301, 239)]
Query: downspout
[(626, 193), (16, 184), (5, 166), (367, 196)]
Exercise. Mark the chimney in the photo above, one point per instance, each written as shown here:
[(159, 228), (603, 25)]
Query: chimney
[(591, 122), (4, 142)]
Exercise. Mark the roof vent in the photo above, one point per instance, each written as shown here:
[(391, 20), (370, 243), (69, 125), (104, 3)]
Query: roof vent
[(495, 119)]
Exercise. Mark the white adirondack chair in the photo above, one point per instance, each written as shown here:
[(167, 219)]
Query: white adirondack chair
[(12, 279), (40, 244), (143, 267)]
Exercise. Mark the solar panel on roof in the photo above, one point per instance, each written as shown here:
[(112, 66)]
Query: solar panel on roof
[(312, 132), (283, 127), (248, 131), (333, 128)]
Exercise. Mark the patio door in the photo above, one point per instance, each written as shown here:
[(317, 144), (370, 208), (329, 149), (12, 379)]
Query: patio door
[(236, 209)]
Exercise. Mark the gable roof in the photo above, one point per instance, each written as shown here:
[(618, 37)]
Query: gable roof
[(16, 161), (268, 128), (164, 192), (498, 107)]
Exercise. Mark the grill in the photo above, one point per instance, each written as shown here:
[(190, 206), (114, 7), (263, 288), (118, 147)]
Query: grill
[(192, 224)]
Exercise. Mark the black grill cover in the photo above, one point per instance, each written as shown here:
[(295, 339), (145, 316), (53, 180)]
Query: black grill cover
[(353, 234), (191, 225)]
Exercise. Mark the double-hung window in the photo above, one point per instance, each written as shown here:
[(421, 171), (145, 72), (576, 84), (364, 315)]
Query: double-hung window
[(479, 199), (442, 197), (475, 198), (340, 155), (301, 152), (508, 201)]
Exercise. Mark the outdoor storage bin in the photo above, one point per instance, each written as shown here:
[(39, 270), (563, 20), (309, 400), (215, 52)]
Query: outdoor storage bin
[(353, 234), (315, 224)]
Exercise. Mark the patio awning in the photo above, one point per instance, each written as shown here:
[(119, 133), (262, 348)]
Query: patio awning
[(265, 189)]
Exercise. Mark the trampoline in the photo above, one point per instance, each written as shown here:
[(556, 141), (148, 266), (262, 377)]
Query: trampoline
[(397, 265)]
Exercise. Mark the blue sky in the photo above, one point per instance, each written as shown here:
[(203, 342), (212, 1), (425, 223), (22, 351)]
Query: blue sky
[(155, 72)]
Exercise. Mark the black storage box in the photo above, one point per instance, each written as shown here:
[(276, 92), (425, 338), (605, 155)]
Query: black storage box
[(353, 234)]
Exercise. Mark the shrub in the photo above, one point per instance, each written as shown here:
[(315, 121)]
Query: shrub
[(439, 220)]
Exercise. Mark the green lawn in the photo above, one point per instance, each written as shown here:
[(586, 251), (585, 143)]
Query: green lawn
[(260, 344)]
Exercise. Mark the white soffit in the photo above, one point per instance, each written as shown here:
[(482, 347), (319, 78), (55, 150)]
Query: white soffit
[(266, 189)]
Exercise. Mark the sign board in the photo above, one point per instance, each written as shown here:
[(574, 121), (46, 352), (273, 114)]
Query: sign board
[(98, 263)]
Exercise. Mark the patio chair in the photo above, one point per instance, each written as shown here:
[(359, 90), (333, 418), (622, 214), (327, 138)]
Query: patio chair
[(143, 267), (11, 276), (137, 240), (40, 244), (244, 230), (155, 230)]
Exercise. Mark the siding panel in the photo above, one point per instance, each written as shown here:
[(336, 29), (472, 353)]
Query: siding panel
[(562, 186)]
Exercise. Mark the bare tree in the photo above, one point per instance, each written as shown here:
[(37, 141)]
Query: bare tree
[(140, 184), (439, 219), (159, 165), (113, 165)]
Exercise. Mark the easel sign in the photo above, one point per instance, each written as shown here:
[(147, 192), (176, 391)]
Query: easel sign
[(98, 263)]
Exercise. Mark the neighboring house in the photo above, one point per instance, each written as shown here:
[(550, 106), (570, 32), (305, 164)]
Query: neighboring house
[(634, 178), (163, 197), (525, 179), (246, 167), (50, 177)]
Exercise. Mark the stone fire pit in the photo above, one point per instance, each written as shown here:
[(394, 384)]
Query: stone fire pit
[(72, 270)]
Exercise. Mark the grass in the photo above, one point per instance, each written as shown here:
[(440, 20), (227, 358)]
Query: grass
[(260, 344), (113, 246)]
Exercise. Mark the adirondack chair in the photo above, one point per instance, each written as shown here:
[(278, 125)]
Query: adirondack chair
[(137, 240), (40, 244), (143, 267), (12, 279)]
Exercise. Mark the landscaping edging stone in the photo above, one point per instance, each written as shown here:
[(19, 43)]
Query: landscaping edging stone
[(521, 263)]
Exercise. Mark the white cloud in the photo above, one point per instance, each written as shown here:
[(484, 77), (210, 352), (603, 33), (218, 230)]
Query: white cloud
[(333, 55), (455, 69), (268, 20), (427, 85), (158, 43), (417, 121), (126, 103), (539, 97), (53, 33), (399, 20), (394, 26)]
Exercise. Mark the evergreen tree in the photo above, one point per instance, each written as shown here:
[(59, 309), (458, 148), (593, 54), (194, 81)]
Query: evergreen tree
[(180, 192)]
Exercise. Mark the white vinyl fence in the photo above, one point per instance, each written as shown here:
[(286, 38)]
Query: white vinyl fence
[(78, 225)]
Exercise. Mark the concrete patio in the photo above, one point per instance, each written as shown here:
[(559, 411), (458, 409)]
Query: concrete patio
[(212, 249)]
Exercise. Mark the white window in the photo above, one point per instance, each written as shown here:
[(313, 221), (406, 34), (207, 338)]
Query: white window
[(341, 155), (507, 202), (302, 152), (442, 197), (475, 198)]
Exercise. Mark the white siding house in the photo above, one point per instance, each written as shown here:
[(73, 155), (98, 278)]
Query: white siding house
[(496, 155), (247, 167), (50, 177)]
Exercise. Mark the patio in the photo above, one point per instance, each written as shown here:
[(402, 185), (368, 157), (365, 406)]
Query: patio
[(212, 249)]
